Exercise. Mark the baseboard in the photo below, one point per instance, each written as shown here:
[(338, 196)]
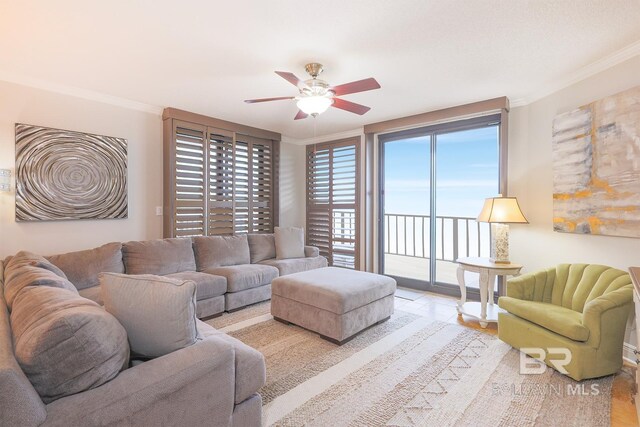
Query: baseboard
[(628, 354)]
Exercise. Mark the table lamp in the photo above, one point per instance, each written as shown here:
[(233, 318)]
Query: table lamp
[(500, 212)]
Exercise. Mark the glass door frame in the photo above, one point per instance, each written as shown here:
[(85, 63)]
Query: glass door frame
[(432, 132)]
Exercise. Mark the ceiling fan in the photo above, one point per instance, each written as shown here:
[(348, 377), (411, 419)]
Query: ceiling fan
[(316, 95)]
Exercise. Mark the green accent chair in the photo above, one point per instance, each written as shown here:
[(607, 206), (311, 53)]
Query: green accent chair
[(582, 307)]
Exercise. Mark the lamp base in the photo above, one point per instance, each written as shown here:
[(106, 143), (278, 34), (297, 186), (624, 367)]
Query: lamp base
[(500, 243)]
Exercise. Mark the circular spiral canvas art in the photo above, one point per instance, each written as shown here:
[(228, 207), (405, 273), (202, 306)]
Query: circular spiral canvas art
[(64, 175)]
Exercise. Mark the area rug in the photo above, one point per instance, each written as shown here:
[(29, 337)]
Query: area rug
[(409, 371)]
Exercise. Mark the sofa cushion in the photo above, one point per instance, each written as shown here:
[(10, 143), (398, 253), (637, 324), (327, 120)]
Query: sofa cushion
[(338, 290), (20, 404), (159, 257), (311, 251), (296, 265), (207, 285), (49, 266), (22, 271), (82, 267), (246, 276), (64, 343), (250, 367), (158, 313), (560, 320), (93, 293), (221, 251), (261, 247), (289, 242)]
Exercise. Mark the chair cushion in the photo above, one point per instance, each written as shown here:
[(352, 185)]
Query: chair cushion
[(296, 265), (560, 320), (220, 251), (250, 367), (158, 313), (338, 290), (289, 242), (247, 276), (82, 267), (159, 257), (207, 285), (261, 247), (64, 343)]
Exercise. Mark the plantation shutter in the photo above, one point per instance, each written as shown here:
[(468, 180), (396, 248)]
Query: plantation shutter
[(218, 182), (189, 185), (221, 168), (253, 185), (241, 188), (262, 183), (332, 201)]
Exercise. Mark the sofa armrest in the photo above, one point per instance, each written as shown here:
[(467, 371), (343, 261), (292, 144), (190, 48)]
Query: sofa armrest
[(191, 386), (606, 316), (311, 251)]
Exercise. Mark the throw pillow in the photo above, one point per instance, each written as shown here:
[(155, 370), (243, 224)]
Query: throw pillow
[(161, 256), (289, 242), (261, 247), (82, 267), (65, 344), (158, 313), (221, 251)]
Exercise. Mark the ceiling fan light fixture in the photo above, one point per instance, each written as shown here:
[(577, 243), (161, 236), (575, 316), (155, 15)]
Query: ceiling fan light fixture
[(314, 105)]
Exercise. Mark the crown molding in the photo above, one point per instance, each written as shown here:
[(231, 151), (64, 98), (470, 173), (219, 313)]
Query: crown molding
[(583, 73), (324, 138), (577, 76), (80, 93)]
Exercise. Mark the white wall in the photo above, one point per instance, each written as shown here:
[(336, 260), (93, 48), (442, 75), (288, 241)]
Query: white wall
[(536, 245), (143, 132), (293, 207)]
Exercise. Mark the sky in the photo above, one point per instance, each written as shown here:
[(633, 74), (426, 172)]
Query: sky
[(466, 173)]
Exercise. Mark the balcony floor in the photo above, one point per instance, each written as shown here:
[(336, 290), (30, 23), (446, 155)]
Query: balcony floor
[(418, 268)]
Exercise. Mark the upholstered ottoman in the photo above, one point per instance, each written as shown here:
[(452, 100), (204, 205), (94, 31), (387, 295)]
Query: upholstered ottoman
[(335, 302)]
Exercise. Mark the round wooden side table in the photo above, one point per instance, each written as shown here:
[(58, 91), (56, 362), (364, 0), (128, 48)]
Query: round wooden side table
[(488, 271)]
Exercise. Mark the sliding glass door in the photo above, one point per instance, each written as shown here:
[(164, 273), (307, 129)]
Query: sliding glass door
[(433, 183), (406, 229)]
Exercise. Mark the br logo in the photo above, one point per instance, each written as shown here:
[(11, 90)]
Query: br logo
[(559, 357)]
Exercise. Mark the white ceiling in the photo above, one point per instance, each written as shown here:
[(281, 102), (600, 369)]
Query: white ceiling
[(208, 56)]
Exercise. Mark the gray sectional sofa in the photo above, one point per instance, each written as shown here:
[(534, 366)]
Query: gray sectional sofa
[(230, 272), (214, 382)]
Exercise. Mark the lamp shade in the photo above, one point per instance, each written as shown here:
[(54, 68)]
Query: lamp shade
[(504, 210)]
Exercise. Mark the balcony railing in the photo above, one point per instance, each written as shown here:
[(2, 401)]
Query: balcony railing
[(409, 235)]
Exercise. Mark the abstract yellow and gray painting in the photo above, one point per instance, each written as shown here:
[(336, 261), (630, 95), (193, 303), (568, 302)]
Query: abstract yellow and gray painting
[(596, 167)]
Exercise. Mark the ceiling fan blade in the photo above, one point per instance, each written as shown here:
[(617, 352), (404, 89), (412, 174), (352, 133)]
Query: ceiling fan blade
[(352, 107), (291, 78), (253, 101), (301, 115), (355, 87)]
